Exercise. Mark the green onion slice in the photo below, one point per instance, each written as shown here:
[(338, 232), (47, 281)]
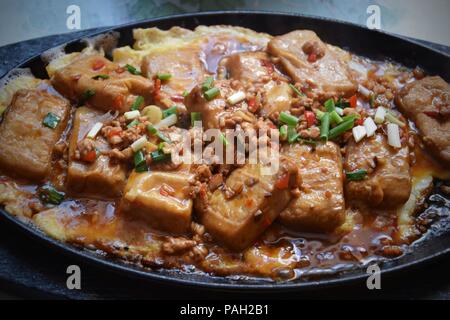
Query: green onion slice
[(51, 120), (195, 116), (152, 130), (207, 84), (292, 134), (283, 132), (163, 76), (133, 123), (287, 118), (158, 156), (168, 112), (329, 105), (223, 139), (139, 158), (296, 90), (49, 195), (325, 126), (211, 93), (137, 103), (319, 114), (89, 93), (335, 117), (100, 76), (132, 70), (341, 128), (342, 104), (356, 175)]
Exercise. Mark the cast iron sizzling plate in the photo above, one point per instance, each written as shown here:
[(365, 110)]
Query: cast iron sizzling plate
[(373, 44)]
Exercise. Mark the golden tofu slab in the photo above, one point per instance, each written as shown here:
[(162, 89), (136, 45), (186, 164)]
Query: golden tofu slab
[(238, 221), (321, 205), (329, 74), (117, 90), (26, 144), (100, 179), (388, 183), (159, 198)]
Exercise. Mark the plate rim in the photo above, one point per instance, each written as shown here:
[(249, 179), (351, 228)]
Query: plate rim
[(132, 271)]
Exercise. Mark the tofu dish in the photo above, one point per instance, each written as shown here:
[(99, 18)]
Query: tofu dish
[(86, 154)]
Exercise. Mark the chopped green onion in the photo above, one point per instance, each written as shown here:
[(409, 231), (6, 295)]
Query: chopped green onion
[(207, 84), (236, 98), (351, 117), (139, 143), (131, 115), (296, 90), (168, 112), (167, 122), (142, 167), (380, 114), (329, 105), (391, 118), (160, 146), (139, 158), (195, 116), (49, 195), (325, 126), (185, 93), (211, 93), (223, 139), (342, 104), (159, 156), (133, 123), (292, 134), (359, 132), (132, 70), (335, 117), (100, 76), (94, 130), (339, 111), (356, 175), (89, 93), (284, 132), (163, 76), (51, 120), (288, 119), (393, 133), (152, 130), (319, 114), (372, 100), (137, 103), (341, 128)]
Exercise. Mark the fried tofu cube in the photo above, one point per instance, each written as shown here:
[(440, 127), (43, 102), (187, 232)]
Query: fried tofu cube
[(321, 205), (161, 199), (239, 218), (388, 183), (277, 98), (117, 89), (305, 57), (427, 103), (26, 144), (101, 179), (184, 64), (249, 66)]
